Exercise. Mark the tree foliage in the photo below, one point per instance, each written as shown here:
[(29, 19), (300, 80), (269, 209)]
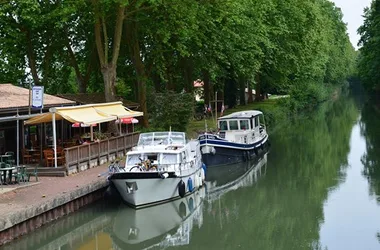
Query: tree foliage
[(369, 57), (82, 46)]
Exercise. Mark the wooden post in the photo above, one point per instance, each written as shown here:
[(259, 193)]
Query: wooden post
[(99, 151), (89, 155), (78, 155)]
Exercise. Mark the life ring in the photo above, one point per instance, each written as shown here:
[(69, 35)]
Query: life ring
[(181, 189)]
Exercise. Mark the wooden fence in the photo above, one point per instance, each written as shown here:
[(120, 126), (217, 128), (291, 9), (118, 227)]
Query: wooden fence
[(80, 158)]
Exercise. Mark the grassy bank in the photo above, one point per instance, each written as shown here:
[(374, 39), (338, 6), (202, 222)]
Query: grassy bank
[(271, 108)]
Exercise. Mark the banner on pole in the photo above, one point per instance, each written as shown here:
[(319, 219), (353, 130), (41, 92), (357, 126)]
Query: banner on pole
[(38, 97)]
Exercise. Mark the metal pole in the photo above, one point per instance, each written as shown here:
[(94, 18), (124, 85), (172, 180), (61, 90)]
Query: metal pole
[(92, 133), (30, 93), (216, 108), (54, 141), (120, 133), (18, 140)]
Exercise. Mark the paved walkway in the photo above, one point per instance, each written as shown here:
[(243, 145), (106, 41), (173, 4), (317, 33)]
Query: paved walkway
[(18, 197)]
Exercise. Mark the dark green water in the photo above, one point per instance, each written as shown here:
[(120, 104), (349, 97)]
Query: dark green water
[(317, 188)]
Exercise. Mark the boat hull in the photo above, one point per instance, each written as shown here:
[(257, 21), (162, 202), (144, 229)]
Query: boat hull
[(143, 189), (221, 152)]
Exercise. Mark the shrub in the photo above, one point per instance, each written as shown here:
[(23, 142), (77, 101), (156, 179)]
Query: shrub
[(170, 109)]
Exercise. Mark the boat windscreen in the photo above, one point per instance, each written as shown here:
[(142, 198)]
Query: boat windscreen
[(162, 138), (133, 159)]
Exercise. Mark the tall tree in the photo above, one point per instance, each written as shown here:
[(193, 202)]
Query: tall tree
[(108, 63)]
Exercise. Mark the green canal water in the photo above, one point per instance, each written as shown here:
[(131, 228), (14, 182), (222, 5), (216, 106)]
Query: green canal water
[(317, 188)]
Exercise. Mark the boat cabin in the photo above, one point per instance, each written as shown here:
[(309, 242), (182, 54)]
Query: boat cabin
[(161, 148), (241, 123)]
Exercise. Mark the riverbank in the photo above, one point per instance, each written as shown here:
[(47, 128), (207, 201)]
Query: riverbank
[(25, 207)]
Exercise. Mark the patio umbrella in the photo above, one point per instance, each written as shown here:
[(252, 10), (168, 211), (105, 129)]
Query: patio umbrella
[(129, 120), (77, 125)]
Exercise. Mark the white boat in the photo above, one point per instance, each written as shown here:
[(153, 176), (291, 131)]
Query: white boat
[(239, 138), (162, 167), (158, 227)]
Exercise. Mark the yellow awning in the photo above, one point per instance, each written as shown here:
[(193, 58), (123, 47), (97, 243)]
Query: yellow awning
[(42, 118), (116, 109), (86, 114)]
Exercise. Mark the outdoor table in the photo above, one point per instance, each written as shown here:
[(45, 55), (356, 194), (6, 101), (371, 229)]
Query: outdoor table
[(33, 150), (4, 174)]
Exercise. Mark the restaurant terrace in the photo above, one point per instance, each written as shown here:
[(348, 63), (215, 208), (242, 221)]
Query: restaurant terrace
[(61, 138)]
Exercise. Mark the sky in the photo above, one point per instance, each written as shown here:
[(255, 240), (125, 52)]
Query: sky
[(353, 11)]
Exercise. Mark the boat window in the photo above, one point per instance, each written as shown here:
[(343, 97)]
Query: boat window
[(233, 125), (133, 159), (244, 124), (257, 123), (152, 157), (223, 125), (169, 158)]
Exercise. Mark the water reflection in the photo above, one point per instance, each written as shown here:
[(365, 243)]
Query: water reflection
[(320, 187), (370, 129), (171, 224)]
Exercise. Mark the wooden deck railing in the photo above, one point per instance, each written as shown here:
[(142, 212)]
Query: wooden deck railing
[(80, 158)]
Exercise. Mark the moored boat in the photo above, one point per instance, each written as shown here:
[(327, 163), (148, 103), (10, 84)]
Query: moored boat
[(164, 166), (239, 138)]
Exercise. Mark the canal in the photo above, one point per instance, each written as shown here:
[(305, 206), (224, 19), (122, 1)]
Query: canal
[(317, 188)]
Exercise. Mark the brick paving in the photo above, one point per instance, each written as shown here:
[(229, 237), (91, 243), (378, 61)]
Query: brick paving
[(17, 197)]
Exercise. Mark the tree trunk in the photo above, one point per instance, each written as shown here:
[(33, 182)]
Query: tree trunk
[(206, 86), (132, 33), (187, 74), (258, 97), (109, 78), (108, 69), (157, 82), (31, 58), (242, 90), (250, 95)]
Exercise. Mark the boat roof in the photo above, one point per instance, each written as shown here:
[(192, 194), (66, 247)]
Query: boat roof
[(162, 138), (241, 114)]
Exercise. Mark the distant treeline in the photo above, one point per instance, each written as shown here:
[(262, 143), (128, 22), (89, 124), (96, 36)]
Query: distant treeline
[(369, 53)]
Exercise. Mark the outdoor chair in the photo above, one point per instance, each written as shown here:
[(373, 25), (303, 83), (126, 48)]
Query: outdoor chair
[(26, 156), (11, 160), (49, 157), (33, 172), (20, 175)]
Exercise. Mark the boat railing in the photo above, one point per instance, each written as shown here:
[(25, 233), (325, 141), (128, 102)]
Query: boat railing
[(165, 167)]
